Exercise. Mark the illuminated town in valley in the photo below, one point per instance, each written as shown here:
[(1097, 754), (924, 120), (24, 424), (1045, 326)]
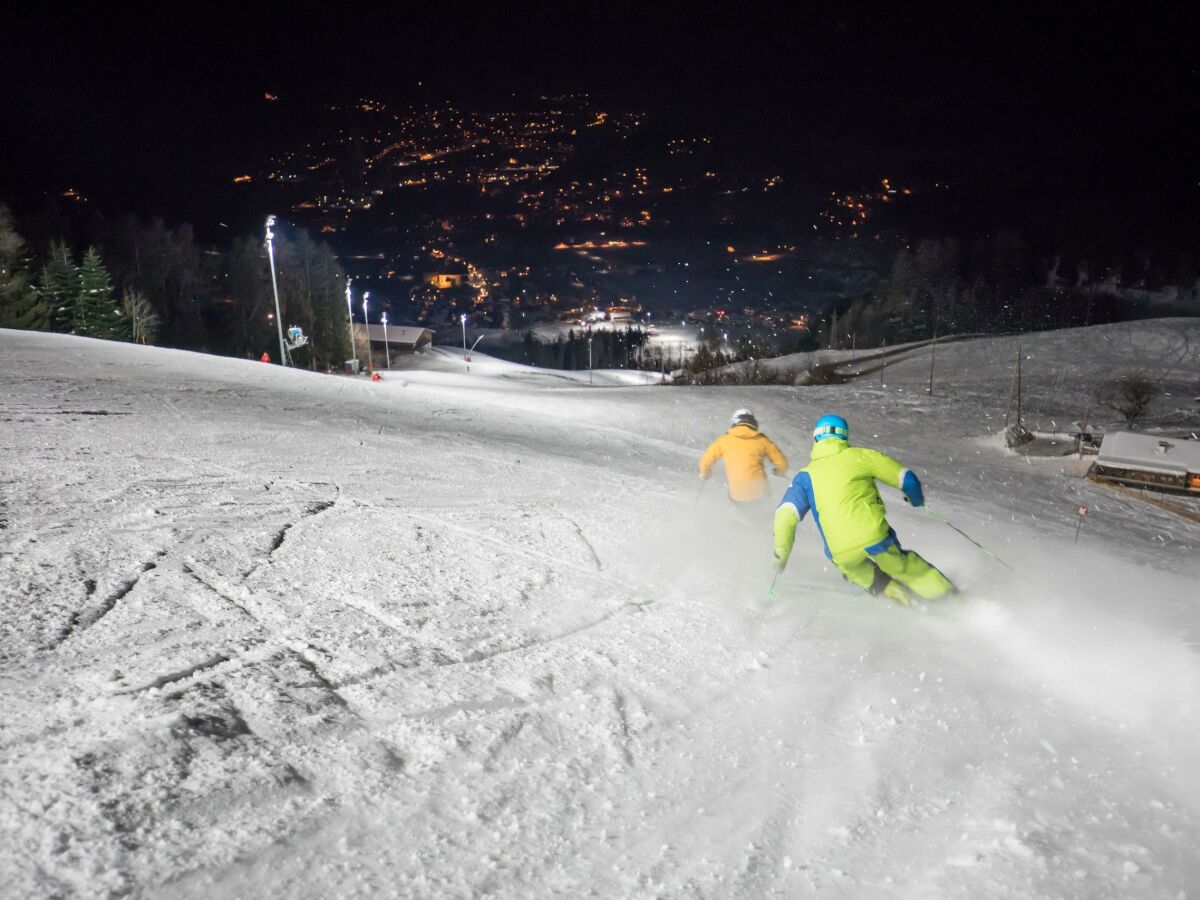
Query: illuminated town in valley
[(556, 210)]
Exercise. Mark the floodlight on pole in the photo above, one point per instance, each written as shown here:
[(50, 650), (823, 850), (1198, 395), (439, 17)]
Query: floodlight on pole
[(350, 317), (466, 352), (283, 358), (589, 360), (367, 331), (387, 353)]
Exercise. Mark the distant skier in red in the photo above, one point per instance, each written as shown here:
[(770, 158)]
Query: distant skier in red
[(266, 357)]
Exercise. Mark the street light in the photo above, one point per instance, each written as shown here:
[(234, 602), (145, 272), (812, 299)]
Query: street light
[(367, 331), (283, 358), (589, 360), (466, 352), (387, 354), (350, 319)]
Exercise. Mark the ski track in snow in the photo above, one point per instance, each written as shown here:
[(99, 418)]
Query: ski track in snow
[(267, 633)]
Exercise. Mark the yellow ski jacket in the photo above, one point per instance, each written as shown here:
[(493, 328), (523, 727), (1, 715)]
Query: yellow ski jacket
[(743, 448)]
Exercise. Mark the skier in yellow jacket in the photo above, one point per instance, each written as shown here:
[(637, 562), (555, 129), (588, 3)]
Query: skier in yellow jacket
[(743, 448), (838, 486)]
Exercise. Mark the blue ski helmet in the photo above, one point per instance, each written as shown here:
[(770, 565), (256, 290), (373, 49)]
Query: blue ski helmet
[(831, 427)]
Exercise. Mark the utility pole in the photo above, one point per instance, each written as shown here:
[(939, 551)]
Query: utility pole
[(1087, 415), (1015, 390), (1019, 355), (932, 360)]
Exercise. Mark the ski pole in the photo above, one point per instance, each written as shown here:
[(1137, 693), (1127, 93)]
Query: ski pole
[(949, 524), (771, 589), (696, 502)]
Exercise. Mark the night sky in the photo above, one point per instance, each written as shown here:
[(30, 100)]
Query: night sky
[(145, 108)]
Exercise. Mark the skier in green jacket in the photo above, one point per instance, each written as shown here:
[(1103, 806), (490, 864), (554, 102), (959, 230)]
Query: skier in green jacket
[(838, 486)]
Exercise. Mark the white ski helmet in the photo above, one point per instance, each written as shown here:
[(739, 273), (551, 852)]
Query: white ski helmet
[(744, 417)]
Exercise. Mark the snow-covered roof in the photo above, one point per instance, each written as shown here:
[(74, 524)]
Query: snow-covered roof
[(1150, 453), (404, 335)]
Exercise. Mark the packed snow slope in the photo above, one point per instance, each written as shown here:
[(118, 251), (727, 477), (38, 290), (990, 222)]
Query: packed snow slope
[(1060, 373), (268, 633)]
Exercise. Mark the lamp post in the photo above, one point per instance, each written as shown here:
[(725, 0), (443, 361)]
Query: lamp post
[(466, 354), (283, 359), (367, 331), (350, 318), (387, 354), (589, 360)]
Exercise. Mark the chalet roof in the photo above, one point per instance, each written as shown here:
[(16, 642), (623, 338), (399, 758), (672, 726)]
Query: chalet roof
[(1149, 452), (397, 335)]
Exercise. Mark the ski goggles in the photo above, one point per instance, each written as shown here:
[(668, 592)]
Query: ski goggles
[(836, 431)]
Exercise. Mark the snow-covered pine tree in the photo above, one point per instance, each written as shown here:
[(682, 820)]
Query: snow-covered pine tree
[(97, 313), (58, 285), (20, 304)]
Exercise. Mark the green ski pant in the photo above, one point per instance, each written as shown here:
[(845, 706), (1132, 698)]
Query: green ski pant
[(906, 567)]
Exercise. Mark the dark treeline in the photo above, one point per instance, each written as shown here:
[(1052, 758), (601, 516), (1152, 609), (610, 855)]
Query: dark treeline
[(145, 281), (615, 349), (632, 348), (995, 285)]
